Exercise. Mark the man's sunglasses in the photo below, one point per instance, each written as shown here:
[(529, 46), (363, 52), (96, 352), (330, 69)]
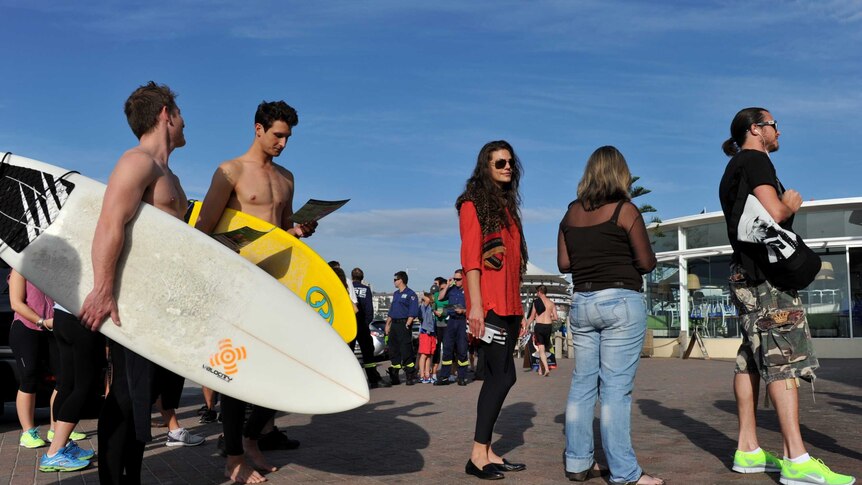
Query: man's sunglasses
[(772, 123)]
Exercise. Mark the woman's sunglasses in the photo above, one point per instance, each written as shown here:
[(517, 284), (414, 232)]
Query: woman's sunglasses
[(501, 163)]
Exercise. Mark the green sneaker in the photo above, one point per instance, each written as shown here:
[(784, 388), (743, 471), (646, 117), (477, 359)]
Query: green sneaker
[(31, 439), (756, 462), (75, 436), (812, 471)]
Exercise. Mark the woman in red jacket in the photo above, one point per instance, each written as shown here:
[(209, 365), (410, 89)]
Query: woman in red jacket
[(494, 256)]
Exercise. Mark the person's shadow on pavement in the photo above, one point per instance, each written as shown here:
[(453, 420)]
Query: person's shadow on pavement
[(702, 435), (515, 419), (371, 440)]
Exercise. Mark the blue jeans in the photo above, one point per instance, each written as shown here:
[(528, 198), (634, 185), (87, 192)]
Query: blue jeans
[(608, 329)]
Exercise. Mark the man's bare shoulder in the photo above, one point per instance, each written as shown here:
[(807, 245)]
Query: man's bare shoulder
[(136, 156), (284, 172), (135, 160), (233, 165), (231, 169)]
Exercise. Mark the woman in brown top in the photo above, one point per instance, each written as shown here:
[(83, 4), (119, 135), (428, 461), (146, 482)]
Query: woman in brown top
[(604, 244)]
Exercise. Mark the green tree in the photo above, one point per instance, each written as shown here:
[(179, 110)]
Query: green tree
[(637, 191)]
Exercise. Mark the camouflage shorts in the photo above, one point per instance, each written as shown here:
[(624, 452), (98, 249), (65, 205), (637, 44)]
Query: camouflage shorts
[(776, 341)]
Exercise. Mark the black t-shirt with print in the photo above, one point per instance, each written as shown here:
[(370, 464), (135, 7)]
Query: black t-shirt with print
[(758, 170)]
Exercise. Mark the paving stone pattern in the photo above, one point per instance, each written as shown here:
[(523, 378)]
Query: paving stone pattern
[(684, 429)]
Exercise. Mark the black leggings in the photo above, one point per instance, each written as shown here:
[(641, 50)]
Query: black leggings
[(232, 416), (499, 366), (82, 358), (168, 386), (121, 453), (29, 347)]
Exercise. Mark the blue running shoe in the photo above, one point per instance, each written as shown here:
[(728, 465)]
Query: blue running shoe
[(61, 462), (75, 451)]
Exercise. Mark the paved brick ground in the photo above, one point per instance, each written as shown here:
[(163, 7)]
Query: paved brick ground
[(684, 429)]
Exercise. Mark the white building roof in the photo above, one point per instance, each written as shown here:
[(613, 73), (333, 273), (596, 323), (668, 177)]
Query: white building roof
[(718, 216)]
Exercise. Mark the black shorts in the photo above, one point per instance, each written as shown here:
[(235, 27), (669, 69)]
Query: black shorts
[(543, 334)]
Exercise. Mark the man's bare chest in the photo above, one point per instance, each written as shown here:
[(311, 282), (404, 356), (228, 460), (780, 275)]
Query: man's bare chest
[(260, 188), (168, 195)]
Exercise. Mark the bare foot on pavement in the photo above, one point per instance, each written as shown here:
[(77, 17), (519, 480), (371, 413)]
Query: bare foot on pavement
[(237, 470)]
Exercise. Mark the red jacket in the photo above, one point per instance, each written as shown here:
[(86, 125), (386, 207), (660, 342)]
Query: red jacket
[(500, 289)]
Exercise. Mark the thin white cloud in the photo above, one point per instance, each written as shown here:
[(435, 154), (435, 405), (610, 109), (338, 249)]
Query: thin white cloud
[(551, 24), (541, 215), (845, 11), (415, 222), (393, 223)]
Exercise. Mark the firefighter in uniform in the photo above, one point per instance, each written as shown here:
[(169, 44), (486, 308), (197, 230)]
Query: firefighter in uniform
[(399, 324), (455, 338), (364, 316)]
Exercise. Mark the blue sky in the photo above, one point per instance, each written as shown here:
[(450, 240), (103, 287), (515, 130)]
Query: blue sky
[(396, 98)]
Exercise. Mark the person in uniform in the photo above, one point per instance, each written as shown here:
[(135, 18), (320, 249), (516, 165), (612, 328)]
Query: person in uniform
[(399, 323)]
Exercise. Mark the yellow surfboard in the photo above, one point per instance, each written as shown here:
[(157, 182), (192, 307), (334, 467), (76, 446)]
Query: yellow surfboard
[(291, 262)]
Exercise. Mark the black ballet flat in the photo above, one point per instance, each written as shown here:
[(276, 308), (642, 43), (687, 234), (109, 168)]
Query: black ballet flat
[(509, 467), (487, 472)]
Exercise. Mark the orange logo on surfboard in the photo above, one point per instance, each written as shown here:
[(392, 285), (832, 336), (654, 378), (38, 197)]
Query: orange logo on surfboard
[(228, 356)]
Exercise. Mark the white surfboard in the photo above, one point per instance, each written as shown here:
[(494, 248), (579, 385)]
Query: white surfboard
[(186, 302)]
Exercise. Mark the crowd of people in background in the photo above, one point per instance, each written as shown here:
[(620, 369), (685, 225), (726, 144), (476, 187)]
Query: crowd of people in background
[(441, 350)]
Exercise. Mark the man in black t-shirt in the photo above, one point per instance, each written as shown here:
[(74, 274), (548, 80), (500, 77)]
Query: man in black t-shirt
[(776, 344)]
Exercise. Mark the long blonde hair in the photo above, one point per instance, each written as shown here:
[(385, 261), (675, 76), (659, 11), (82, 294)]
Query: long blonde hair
[(606, 178)]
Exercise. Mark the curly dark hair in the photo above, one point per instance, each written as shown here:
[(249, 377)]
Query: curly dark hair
[(268, 112), (492, 200), (501, 198)]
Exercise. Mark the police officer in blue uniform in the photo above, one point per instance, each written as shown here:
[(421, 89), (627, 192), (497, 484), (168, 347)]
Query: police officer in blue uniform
[(455, 338), (399, 323)]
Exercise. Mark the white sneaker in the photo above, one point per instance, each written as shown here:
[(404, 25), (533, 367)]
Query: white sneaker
[(181, 437)]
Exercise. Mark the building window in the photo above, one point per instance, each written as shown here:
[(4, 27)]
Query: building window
[(856, 291), (711, 310), (828, 223), (662, 294), (664, 239), (706, 235), (827, 299)]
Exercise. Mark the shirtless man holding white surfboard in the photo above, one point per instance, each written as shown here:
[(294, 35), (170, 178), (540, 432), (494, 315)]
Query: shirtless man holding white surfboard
[(252, 183), (141, 174)]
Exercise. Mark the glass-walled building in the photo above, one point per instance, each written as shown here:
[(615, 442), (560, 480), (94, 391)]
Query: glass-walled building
[(688, 290)]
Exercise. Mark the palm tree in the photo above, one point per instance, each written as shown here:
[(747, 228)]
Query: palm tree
[(637, 191)]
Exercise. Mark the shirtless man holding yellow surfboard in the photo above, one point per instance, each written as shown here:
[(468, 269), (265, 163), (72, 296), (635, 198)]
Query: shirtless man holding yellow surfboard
[(252, 183)]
